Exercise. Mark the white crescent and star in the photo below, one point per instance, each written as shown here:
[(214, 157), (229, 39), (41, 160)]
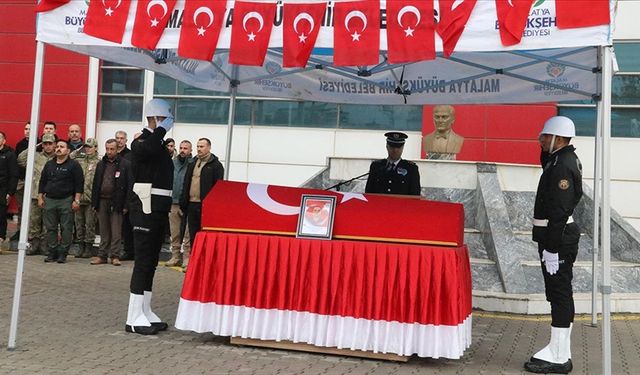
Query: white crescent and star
[(409, 9), (247, 17), (153, 3), (355, 14), (199, 11), (303, 16), (259, 194), (107, 10)]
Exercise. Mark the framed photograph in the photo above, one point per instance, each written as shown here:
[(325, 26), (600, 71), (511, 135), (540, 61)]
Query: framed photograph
[(316, 216)]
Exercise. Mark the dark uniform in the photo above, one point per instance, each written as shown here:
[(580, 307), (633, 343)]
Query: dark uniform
[(151, 164), (559, 191), (388, 178)]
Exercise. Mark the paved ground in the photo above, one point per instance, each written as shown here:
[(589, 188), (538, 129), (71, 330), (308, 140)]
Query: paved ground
[(72, 322)]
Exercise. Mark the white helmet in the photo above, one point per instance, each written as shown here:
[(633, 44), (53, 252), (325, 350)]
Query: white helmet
[(157, 108), (559, 125)]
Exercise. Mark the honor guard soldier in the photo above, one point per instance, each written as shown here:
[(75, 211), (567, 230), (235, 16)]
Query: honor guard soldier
[(149, 207), (394, 175), (559, 191)]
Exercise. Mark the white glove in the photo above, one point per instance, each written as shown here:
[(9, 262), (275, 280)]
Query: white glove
[(551, 262), (167, 123)]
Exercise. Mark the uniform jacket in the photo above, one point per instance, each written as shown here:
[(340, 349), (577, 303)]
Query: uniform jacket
[(403, 179), (40, 160), (88, 164), (123, 184), (179, 171), (211, 172), (8, 173), (558, 194), (152, 164)]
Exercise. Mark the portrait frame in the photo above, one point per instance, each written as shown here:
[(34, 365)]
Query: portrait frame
[(316, 216)]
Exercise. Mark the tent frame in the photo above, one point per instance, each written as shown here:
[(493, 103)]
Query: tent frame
[(602, 156)]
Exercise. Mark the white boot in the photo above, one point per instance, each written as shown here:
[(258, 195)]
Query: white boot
[(137, 321), (555, 358), (154, 320)]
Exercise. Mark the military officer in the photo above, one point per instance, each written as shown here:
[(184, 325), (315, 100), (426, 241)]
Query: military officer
[(149, 208), (85, 218), (36, 227), (394, 175), (559, 191)]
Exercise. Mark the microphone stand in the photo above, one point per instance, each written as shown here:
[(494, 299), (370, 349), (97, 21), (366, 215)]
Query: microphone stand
[(337, 186)]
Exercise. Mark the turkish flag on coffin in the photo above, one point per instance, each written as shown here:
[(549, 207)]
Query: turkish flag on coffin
[(356, 33), (47, 5), (410, 31), (250, 32), (201, 25), (257, 208), (300, 31), (454, 15), (152, 17), (581, 13), (512, 17), (107, 19)]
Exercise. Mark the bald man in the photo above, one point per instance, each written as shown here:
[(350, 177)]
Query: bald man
[(443, 143), (75, 137)]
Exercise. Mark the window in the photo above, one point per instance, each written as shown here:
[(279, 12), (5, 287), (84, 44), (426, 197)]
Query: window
[(121, 94), (625, 98)]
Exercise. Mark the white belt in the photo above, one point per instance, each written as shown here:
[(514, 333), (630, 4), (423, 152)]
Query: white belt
[(163, 192), (545, 222)]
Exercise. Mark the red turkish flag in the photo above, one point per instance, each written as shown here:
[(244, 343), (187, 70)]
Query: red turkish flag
[(300, 31), (452, 22), (250, 32), (47, 5), (152, 17), (512, 18), (201, 25), (107, 19), (410, 31), (356, 33), (581, 13)]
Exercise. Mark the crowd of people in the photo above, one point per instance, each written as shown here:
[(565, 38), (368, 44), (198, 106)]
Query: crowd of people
[(78, 193)]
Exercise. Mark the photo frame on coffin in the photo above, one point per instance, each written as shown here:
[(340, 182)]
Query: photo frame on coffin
[(315, 219)]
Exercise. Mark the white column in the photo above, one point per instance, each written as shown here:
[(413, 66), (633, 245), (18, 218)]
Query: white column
[(92, 97)]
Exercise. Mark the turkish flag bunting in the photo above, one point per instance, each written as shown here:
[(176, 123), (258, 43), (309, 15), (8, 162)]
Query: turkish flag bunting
[(250, 32), (107, 19), (201, 25), (581, 13), (452, 22), (356, 33), (47, 5), (410, 31), (152, 17), (300, 31), (512, 17)]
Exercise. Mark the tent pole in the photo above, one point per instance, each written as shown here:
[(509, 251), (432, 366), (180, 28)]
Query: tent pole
[(605, 54), (232, 114), (597, 177), (26, 201)]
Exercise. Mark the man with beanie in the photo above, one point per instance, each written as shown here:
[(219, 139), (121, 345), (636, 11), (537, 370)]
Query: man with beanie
[(149, 206), (558, 194)]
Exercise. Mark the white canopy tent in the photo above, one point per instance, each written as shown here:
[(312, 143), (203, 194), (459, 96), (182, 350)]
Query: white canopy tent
[(549, 64)]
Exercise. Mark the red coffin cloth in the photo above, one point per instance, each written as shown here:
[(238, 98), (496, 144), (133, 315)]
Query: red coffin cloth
[(379, 218), (378, 281)]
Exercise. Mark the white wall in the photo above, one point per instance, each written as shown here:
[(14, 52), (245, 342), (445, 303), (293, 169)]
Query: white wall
[(626, 22)]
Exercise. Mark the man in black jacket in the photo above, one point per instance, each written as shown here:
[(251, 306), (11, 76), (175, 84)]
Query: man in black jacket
[(8, 184), (109, 198), (149, 207), (558, 194), (200, 178), (127, 229), (394, 175)]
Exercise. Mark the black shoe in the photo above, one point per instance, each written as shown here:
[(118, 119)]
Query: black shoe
[(50, 259), (540, 366), (62, 259), (160, 326), (142, 330)]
